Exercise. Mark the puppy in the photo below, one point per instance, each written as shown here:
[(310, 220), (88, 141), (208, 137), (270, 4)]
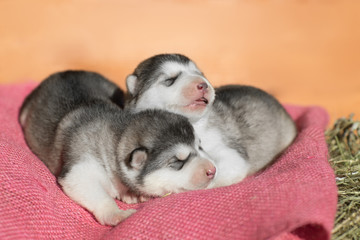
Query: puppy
[(242, 130), (100, 152)]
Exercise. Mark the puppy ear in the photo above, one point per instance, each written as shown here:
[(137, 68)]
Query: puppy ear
[(138, 158), (131, 83)]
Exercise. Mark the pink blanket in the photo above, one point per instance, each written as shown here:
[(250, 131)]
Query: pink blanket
[(295, 198)]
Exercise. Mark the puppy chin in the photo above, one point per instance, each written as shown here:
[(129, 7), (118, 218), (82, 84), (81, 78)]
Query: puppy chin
[(194, 112)]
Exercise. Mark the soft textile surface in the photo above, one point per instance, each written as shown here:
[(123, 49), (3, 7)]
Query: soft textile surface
[(295, 198)]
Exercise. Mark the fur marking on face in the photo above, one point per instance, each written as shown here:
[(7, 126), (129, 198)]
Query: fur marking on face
[(175, 86)]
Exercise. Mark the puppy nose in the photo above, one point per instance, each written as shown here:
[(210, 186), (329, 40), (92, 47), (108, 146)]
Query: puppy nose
[(202, 86), (211, 172)]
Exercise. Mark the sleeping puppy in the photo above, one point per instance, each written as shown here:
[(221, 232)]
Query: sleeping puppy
[(242, 130), (99, 152)]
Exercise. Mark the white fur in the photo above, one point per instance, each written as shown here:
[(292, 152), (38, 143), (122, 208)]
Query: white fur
[(88, 184), (158, 182), (173, 68), (231, 167), (24, 115), (167, 180), (131, 83), (183, 151)]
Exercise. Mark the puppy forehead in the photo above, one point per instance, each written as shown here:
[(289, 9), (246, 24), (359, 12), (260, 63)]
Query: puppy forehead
[(179, 150), (173, 67), (182, 151)]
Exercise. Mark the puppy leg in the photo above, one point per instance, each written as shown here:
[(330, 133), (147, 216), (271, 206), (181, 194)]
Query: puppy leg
[(87, 184)]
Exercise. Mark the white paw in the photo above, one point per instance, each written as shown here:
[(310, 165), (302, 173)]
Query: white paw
[(143, 198), (111, 215), (131, 198)]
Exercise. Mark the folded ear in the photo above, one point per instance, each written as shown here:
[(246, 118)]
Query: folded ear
[(138, 158), (131, 83)]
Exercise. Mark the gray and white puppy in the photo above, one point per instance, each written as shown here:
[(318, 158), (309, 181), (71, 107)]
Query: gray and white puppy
[(242, 130), (100, 152)]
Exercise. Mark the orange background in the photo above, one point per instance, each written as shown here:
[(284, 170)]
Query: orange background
[(303, 52)]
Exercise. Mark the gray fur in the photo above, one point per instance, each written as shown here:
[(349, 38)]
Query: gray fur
[(53, 99), (252, 122)]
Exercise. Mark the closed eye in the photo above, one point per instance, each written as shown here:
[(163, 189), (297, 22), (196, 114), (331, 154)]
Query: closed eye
[(170, 81), (177, 165)]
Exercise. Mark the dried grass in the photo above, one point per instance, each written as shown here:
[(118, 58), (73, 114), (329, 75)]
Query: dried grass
[(344, 149)]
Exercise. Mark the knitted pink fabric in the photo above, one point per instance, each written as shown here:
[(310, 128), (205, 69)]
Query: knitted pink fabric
[(295, 198)]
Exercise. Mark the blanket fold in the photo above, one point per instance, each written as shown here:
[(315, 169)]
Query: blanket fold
[(295, 198)]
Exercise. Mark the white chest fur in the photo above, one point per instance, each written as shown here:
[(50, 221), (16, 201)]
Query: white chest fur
[(231, 166)]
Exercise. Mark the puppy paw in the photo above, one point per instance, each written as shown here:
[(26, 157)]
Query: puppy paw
[(131, 198), (112, 215), (115, 218), (143, 198)]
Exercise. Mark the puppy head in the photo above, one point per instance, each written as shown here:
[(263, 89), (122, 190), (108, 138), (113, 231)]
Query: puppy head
[(163, 155), (182, 170), (172, 82)]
